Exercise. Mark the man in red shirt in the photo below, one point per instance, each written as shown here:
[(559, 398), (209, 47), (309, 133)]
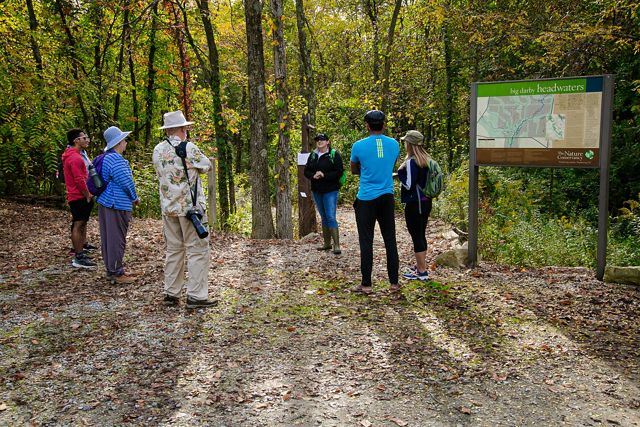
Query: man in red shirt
[(75, 161)]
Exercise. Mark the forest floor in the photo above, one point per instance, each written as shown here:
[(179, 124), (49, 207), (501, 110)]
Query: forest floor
[(289, 345)]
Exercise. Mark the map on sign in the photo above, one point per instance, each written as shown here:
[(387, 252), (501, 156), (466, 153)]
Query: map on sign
[(524, 118)]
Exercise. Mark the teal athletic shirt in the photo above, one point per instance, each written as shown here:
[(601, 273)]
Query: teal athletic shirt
[(377, 155)]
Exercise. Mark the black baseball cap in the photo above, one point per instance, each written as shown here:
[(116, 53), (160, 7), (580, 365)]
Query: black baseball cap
[(321, 137), (374, 116)]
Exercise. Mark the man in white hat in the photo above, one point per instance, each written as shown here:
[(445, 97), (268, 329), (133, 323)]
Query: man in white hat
[(115, 205), (179, 192)]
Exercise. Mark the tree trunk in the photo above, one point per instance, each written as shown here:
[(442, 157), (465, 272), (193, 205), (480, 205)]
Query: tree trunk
[(448, 94), (151, 76), (371, 9), (178, 35), (134, 94), (218, 119), (307, 88), (261, 217), (76, 64), (33, 27), (123, 46), (387, 58), (284, 221)]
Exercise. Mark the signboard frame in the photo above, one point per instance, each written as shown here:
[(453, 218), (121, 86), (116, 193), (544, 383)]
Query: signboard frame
[(603, 164)]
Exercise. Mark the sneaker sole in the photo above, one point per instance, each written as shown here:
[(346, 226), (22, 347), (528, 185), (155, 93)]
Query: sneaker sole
[(73, 263)]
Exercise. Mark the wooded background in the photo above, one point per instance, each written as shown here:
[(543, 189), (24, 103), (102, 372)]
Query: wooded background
[(247, 72)]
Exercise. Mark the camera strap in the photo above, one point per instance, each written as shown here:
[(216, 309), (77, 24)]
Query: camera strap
[(181, 151)]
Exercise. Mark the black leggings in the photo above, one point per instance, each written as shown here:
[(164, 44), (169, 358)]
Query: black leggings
[(367, 213), (417, 223)]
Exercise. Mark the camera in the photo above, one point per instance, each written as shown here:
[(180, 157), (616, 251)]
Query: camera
[(194, 215)]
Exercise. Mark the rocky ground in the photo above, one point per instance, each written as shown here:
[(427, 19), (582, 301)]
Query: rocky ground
[(288, 345)]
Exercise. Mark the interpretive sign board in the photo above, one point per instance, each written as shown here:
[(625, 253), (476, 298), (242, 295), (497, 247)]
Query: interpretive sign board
[(553, 122), (563, 122)]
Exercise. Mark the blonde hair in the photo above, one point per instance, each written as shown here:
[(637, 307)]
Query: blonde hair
[(419, 154)]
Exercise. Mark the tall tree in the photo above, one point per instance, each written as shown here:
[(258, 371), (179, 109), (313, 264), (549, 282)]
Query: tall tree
[(307, 88), (124, 42), (35, 48), (387, 57), (284, 222), (371, 9), (185, 68), (151, 75), (211, 70), (261, 217)]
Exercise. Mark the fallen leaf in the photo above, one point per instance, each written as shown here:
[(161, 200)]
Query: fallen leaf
[(398, 421), (291, 329), (381, 387), (365, 423), (3, 407), (499, 377), (465, 410)]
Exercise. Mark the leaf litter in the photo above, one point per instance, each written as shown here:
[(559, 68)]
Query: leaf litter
[(288, 345)]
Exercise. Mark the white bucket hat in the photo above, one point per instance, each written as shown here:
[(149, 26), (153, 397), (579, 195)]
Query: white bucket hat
[(175, 119), (113, 136)]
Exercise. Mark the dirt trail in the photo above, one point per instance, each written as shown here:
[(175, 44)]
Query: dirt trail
[(288, 345)]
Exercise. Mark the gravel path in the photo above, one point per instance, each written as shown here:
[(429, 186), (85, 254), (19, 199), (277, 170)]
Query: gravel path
[(288, 345)]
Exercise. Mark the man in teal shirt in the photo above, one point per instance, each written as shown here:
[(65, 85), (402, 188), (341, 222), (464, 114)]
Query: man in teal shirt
[(374, 158)]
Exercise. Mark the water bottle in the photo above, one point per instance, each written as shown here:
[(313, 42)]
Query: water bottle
[(97, 181)]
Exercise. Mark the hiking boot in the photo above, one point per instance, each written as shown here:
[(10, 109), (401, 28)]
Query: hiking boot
[(89, 247), (200, 303), (82, 261), (170, 301), (395, 287), (335, 235), (364, 290), (326, 235), (123, 279), (416, 275)]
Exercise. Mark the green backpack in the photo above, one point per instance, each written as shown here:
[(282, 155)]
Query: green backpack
[(434, 183), (343, 177)]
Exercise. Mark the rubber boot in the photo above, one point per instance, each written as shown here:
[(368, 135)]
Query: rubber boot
[(326, 235), (335, 234)]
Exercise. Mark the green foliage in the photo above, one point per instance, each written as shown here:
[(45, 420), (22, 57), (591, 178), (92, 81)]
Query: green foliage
[(517, 228), (240, 221), (146, 180)]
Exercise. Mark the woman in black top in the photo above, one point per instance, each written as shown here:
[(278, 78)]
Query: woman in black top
[(413, 176), (324, 169)]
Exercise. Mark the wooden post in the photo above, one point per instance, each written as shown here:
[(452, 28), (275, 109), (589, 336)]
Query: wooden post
[(211, 190), (306, 210)]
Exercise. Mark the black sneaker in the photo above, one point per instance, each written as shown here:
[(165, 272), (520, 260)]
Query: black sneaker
[(200, 303), (89, 247), (170, 301), (82, 261)]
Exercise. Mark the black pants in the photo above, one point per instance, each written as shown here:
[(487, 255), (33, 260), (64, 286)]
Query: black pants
[(417, 223), (367, 213)]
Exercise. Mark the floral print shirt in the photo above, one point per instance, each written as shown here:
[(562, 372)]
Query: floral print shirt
[(175, 195)]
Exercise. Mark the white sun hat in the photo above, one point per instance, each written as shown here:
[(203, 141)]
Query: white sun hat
[(175, 119)]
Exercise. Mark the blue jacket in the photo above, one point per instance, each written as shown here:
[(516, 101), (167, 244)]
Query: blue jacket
[(121, 190)]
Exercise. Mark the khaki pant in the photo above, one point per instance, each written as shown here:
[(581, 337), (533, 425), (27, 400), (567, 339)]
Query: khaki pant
[(182, 239)]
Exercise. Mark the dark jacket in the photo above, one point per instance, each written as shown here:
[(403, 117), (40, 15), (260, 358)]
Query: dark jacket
[(331, 168), (411, 177)]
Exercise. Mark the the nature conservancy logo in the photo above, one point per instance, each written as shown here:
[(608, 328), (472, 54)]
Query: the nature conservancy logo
[(575, 156)]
